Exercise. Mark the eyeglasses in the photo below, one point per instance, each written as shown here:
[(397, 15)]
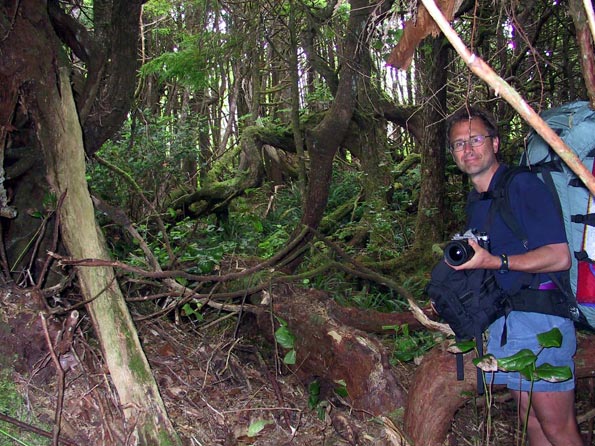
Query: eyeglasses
[(474, 141)]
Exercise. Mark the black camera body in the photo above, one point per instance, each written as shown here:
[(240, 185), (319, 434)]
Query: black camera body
[(458, 250)]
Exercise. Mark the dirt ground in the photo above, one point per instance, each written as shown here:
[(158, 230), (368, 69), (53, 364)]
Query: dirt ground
[(221, 386)]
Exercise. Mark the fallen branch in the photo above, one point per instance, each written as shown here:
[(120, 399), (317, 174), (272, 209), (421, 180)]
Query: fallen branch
[(364, 272)]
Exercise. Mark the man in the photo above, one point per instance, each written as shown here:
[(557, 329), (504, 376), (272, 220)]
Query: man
[(474, 145)]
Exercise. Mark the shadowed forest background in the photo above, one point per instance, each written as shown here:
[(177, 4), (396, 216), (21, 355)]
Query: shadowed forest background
[(218, 217)]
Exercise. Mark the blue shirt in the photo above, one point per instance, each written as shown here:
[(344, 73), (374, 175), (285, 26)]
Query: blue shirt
[(535, 211)]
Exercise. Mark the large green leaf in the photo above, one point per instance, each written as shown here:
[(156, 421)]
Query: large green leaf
[(290, 357), (487, 363), (284, 337), (517, 362), (527, 372), (552, 338), (552, 373), (257, 426), (462, 347)]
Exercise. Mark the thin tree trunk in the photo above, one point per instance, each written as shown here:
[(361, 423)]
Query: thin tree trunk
[(46, 93), (62, 143), (585, 42), (430, 224)]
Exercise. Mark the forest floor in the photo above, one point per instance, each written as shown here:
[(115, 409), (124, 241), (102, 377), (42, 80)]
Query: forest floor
[(221, 386)]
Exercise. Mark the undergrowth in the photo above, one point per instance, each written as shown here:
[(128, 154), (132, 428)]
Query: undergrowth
[(261, 221)]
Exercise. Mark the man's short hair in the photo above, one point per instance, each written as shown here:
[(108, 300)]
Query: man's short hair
[(469, 113)]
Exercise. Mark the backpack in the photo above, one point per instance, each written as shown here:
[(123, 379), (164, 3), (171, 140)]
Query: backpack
[(575, 124), (469, 301)]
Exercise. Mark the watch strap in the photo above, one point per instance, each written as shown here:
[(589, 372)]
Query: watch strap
[(503, 264)]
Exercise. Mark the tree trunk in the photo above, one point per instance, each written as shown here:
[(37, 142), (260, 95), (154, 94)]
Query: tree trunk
[(585, 42), (61, 139), (47, 95), (430, 218), (427, 417)]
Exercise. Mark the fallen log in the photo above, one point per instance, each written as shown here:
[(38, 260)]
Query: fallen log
[(332, 352)]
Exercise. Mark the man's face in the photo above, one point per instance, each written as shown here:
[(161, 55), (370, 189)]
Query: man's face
[(472, 147)]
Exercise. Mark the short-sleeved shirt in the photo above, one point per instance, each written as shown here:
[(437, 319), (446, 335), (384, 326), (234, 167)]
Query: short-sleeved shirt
[(534, 209)]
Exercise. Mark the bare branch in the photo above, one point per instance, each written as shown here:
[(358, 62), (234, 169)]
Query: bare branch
[(501, 87)]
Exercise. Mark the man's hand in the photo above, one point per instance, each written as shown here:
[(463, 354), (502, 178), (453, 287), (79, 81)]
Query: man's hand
[(482, 259)]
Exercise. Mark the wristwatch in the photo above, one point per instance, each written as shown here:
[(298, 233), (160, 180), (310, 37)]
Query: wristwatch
[(503, 264)]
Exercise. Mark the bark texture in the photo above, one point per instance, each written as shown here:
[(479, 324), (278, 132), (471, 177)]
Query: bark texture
[(427, 417), (45, 91)]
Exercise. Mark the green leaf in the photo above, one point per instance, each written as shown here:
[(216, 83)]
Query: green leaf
[(487, 363), (314, 392), (462, 347), (517, 362), (255, 428), (284, 337), (552, 338), (341, 388), (257, 225), (553, 374), (290, 357), (188, 310), (527, 372), (321, 412)]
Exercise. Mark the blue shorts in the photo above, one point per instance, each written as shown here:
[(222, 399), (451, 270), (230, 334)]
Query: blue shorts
[(522, 328)]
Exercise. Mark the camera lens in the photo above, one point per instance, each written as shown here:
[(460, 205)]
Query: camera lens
[(458, 252)]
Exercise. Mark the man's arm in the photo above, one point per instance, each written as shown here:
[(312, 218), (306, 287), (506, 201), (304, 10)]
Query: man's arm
[(545, 259)]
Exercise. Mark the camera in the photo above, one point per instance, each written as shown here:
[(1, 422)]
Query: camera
[(458, 250)]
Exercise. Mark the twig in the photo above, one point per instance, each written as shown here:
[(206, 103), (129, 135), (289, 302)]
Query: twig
[(56, 234), (276, 389), (4, 258), (60, 372), (59, 311), (128, 178), (251, 409), (501, 87), (362, 271), (89, 262), (29, 428)]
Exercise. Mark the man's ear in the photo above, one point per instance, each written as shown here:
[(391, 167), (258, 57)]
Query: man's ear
[(495, 144)]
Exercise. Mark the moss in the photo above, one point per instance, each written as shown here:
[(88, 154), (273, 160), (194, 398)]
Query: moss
[(137, 362), (13, 405)]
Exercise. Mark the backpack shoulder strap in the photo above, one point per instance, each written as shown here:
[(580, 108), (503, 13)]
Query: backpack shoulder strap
[(501, 202)]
